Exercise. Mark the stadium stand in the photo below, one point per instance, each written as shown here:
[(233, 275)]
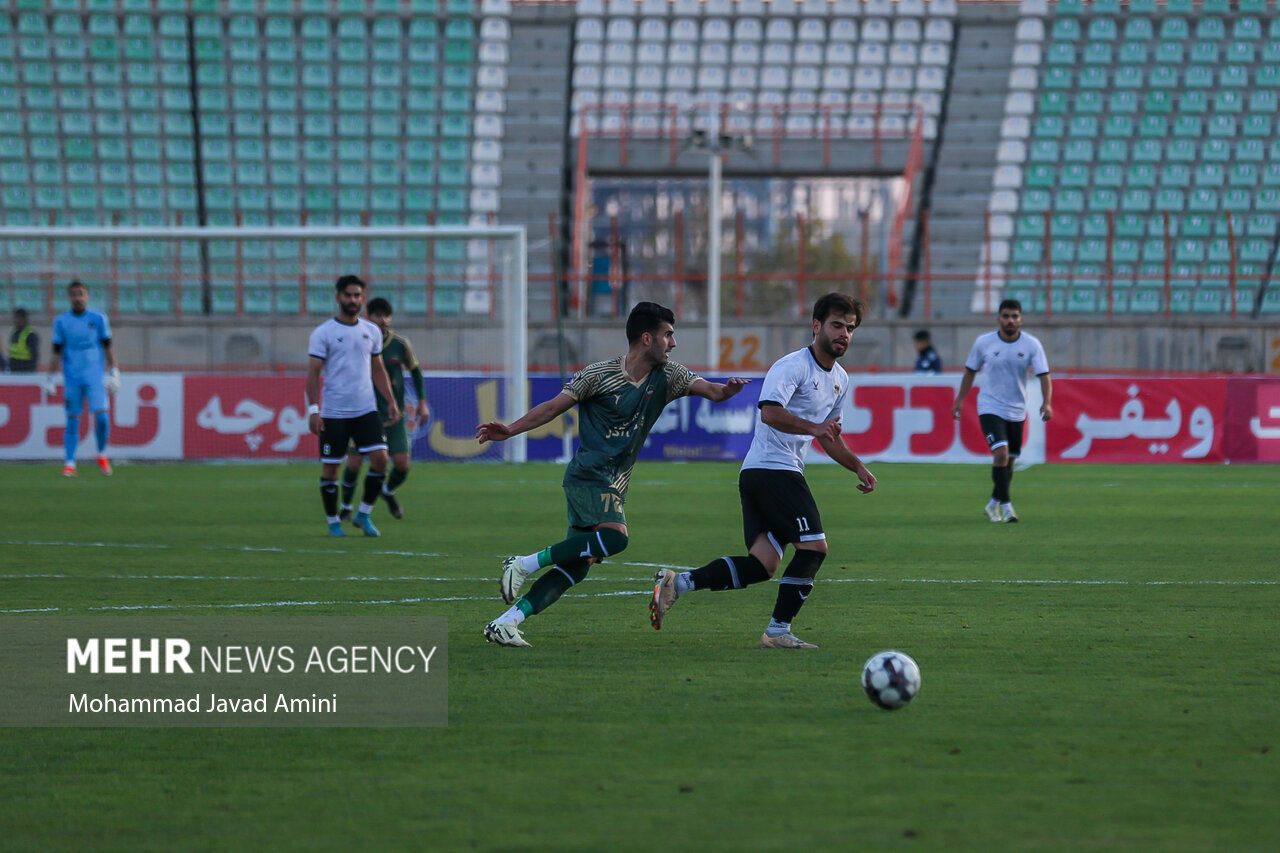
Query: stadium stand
[(691, 55), (254, 112), (1137, 169)]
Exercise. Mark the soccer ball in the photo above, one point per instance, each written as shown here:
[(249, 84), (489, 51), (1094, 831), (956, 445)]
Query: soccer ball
[(891, 679)]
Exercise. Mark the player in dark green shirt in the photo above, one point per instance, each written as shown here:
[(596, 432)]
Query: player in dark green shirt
[(618, 403), (397, 356)]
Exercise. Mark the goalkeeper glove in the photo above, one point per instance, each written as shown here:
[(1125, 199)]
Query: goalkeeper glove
[(112, 380), (50, 384)]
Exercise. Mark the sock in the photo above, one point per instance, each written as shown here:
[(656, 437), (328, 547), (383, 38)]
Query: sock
[(684, 583), (329, 496), (797, 583), (393, 482), (791, 597), (349, 485), (992, 502), (729, 573), (1008, 478), (514, 615), (532, 562), (1000, 483), (373, 481), (71, 438), (101, 429), (777, 629), (1006, 508), (605, 542), (550, 587)]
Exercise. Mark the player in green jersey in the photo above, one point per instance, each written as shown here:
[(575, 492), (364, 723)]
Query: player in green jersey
[(398, 357), (618, 401)]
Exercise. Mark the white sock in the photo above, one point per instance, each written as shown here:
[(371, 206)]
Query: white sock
[(684, 583), (332, 519), (1006, 508), (992, 502), (387, 491), (346, 506), (530, 563), (777, 629), (365, 508), (513, 616)]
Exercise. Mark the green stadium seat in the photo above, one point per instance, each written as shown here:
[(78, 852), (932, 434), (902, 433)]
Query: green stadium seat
[(1097, 53), (1241, 52), (1093, 251), (1029, 226), (1049, 127), (1123, 102), (1129, 77), (1133, 52), (1138, 29), (1043, 151), (1203, 201), (1163, 77), (1169, 53), (1174, 29), (1102, 199), (1036, 201), (1109, 175), (1095, 225), (1041, 176), (1211, 29), (1120, 126)]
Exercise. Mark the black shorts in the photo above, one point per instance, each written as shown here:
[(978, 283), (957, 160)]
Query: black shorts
[(1000, 433), (365, 432), (779, 504)]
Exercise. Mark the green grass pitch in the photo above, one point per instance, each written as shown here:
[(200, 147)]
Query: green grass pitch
[(1104, 675)]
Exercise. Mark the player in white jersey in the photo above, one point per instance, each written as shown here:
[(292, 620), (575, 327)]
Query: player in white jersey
[(1005, 356), (801, 399), (348, 350)]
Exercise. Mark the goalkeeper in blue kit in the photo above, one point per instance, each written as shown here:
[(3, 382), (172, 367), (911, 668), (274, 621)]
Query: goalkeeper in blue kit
[(81, 345)]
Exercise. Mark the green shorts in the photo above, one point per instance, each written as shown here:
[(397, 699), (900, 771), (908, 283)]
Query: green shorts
[(591, 505), (397, 439)]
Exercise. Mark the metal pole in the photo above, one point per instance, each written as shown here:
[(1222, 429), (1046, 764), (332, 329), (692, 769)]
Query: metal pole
[(713, 263)]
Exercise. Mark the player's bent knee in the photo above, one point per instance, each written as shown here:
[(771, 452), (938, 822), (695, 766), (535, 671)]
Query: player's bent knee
[(804, 564), (607, 542)]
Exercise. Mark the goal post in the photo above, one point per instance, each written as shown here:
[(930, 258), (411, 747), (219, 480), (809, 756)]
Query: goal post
[(255, 272)]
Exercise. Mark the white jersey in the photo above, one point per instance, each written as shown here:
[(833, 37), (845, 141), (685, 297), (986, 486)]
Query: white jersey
[(1004, 365), (348, 379), (801, 386)]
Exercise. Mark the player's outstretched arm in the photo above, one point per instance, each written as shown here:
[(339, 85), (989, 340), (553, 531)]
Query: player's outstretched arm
[(840, 452), (543, 413), (717, 392), (965, 385)]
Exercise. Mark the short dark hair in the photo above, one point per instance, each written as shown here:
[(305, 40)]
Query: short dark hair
[(647, 317), (347, 280), (1010, 303), (20, 313), (922, 335), (837, 303), (75, 282), (378, 305)]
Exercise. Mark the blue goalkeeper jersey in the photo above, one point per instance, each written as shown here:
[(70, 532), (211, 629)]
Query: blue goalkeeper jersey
[(81, 337)]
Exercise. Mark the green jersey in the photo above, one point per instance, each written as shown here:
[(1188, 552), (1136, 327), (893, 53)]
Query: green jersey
[(615, 416), (398, 357)]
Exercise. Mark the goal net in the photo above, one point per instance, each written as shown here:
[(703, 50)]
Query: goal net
[(240, 302)]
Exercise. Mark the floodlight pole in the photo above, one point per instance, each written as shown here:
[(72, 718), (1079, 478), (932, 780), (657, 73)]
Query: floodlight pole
[(713, 260)]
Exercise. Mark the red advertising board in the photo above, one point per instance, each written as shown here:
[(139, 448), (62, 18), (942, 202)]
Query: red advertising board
[(1138, 420), (241, 417)]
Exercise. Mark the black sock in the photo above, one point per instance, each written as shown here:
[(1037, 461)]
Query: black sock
[(329, 495), (729, 573), (1008, 479), (791, 597), (373, 486), (1000, 477), (397, 477), (349, 485)]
